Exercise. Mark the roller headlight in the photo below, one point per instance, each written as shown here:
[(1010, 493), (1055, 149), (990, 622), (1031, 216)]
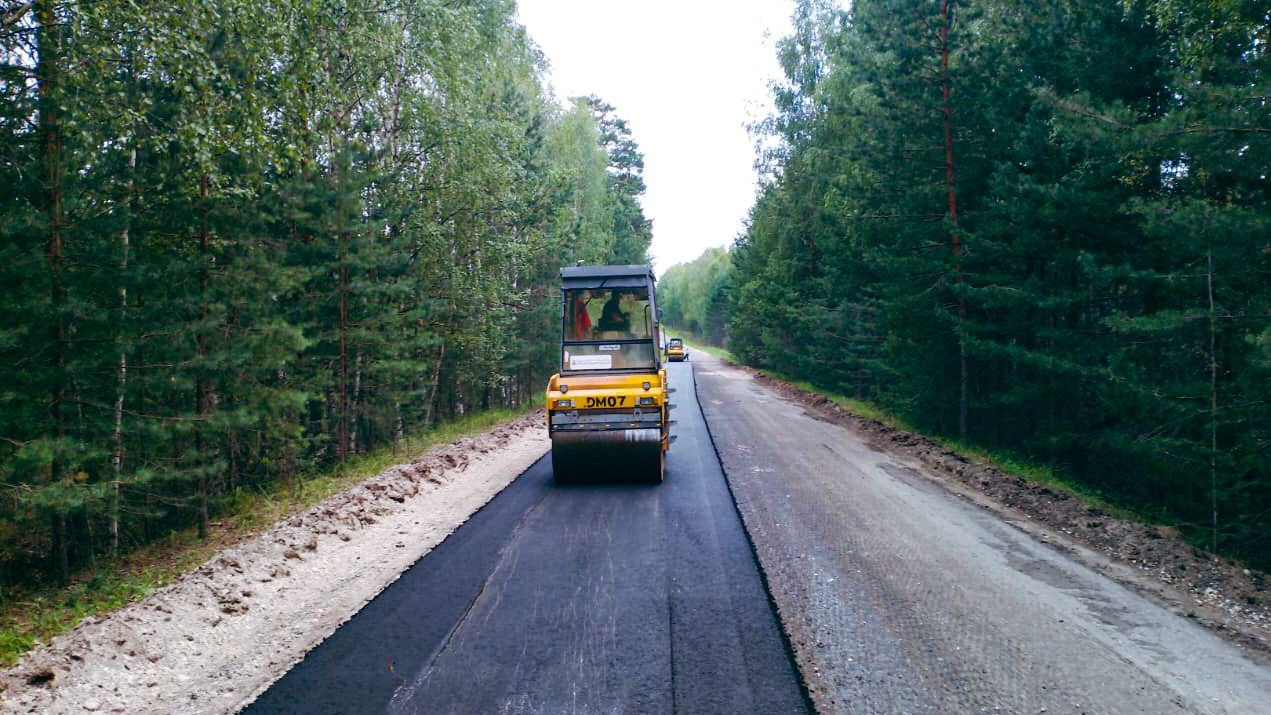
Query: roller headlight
[(644, 400), (564, 403)]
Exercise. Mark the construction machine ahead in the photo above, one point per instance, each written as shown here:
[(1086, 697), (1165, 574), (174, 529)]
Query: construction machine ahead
[(607, 409), (675, 350)]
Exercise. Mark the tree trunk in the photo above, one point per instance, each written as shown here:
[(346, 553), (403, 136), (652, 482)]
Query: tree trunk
[(342, 282), (955, 239), (202, 390), (61, 549), (356, 409), (342, 429), (399, 429), (48, 76), (117, 453), (436, 379), (1213, 401)]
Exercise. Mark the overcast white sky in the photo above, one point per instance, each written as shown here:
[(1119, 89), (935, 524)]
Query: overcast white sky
[(687, 75)]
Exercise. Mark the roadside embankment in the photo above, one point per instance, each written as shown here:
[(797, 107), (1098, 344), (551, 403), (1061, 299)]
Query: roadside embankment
[(215, 638)]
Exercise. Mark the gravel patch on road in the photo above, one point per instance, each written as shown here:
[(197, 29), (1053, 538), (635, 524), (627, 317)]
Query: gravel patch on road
[(1224, 596), (219, 636)]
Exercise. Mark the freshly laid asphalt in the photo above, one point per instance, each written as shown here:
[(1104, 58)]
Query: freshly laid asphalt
[(588, 598)]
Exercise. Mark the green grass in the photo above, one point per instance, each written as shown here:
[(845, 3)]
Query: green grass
[(37, 614), (1043, 475)]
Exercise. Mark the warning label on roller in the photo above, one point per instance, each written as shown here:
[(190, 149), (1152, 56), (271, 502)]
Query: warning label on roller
[(590, 362)]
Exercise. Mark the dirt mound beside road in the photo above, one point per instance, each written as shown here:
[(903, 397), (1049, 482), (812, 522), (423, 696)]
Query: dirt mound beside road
[(1224, 596), (220, 635)]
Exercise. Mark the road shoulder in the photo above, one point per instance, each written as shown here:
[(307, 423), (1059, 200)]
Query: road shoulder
[(871, 563), (217, 637), (1223, 596)]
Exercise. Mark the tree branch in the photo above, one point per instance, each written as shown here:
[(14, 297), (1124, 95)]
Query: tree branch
[(11, 16), (1088, 113)]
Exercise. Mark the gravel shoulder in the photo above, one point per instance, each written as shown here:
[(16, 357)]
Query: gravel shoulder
[(905, 590), (1225, 597), (219, 636)]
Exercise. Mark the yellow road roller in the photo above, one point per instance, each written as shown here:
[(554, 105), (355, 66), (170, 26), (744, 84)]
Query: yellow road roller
[(607, 409), (675, 350)]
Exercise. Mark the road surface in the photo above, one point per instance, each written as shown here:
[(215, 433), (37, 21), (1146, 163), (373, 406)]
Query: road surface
[(899, 597), (896, 596), (588, 598)]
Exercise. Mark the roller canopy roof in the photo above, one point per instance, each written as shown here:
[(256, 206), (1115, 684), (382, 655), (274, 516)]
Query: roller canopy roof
[(633, 276)]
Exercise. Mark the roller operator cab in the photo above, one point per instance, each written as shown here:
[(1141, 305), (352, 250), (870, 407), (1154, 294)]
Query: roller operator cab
[(607, 408)]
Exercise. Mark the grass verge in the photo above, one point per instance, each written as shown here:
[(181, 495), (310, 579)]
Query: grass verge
[(34, 615)]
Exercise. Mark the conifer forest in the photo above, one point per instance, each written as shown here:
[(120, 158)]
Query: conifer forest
[(242, 240), (1041, 228)]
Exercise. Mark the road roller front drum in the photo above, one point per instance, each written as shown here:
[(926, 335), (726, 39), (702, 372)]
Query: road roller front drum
[(625, 454)]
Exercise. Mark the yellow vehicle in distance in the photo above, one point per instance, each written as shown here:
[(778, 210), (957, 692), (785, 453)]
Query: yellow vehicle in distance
[(675, 350), (607, 409)]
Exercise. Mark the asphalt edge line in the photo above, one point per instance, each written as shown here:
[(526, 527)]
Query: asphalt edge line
[(754, 553)]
